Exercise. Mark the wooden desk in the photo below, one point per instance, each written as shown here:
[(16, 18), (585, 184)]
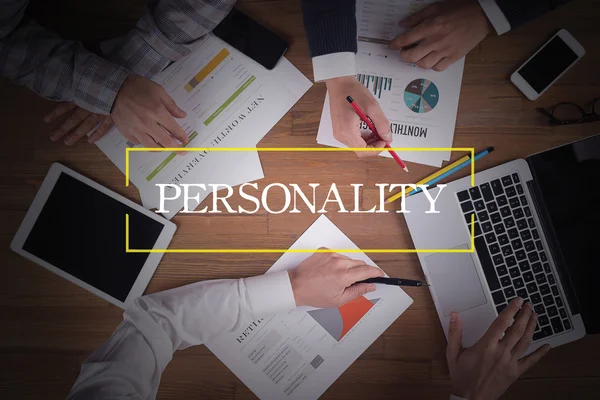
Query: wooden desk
[(50, 325)]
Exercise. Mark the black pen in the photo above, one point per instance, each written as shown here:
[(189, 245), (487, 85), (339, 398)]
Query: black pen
[(394, 281)]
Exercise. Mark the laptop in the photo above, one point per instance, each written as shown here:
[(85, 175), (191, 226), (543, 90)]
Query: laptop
[(536, 226)]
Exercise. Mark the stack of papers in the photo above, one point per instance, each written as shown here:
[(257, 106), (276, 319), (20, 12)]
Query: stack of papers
[(231, 101), (420, 104), (299, 354)]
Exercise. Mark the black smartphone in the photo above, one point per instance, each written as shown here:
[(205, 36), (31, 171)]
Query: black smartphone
[(251, 38)]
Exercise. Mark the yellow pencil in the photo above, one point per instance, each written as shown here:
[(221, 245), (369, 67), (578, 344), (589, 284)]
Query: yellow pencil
[(430, 177)]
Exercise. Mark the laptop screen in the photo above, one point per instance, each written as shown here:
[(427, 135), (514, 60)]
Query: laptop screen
[(566, 178)]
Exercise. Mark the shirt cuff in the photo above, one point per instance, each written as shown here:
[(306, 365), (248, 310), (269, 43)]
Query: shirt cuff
[(453, 397), (334, 65), (97, 85), (263, 289), (495, 16)]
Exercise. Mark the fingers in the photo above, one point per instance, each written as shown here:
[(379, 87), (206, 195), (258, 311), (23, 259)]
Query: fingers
[(527, 362), (353, 139), (380, 121), (376, 145), (410, 37), (527, 337), (84, 128), (361, 272), (454, 338), (418, 52), (142, 138), (444, 63), (501, 324), (413, 20), (518, 327), (76, 118), (171, 106), (174, 128), (430, 60), (102, 130), (59, 110), (355, 291), (162, 137)]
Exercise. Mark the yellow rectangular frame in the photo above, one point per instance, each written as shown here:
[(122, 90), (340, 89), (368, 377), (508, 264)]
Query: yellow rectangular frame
[(297, 149)]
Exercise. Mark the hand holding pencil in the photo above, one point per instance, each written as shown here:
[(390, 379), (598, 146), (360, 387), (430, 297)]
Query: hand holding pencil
[(346, 122), (365, 118)]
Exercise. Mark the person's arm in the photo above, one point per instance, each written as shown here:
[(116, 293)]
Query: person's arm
[(510, 14), (130, 363), (331, 34), (53, 67), (167, 31), (444, 32)]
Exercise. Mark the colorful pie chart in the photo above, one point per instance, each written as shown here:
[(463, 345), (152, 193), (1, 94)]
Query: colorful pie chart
[(421, 95)]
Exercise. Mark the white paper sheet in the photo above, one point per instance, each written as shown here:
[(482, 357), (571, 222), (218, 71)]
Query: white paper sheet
[(420, 104), (231, 101), (301, 353)]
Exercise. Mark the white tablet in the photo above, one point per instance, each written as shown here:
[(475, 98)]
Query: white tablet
[(76, 229)]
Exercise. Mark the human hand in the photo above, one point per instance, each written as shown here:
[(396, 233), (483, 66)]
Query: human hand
[(346, 123), (78, 124), (442, 33), (490, 366), (143, 112), (327, 280)]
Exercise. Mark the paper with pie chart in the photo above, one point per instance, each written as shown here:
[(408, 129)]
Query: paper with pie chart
[(421, 104)]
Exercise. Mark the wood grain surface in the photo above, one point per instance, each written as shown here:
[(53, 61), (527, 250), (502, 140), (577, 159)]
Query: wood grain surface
[(49, 326)]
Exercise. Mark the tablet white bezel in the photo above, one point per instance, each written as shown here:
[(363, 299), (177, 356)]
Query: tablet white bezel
[(36, 207)]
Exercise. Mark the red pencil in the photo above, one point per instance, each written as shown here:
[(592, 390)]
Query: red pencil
[(371, 126)]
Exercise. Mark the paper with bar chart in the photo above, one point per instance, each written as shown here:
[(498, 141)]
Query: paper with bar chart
[(421, 105), (300, 353), (231, 101)]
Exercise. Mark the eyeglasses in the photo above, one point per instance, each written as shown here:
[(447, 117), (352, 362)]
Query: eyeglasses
[(571, 113)]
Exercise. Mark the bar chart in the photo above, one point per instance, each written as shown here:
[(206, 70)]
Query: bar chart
[(377, 84)]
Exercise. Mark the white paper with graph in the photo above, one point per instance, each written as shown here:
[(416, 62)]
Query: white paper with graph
[(420, 104), (299, 354), (231, 101)]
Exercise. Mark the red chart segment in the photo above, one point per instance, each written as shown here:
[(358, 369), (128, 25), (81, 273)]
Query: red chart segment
[(339, 321)]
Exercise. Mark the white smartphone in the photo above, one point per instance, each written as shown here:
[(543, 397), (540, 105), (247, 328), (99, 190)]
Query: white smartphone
[(548, 64)]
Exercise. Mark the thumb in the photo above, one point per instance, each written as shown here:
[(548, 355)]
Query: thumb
[(454, 338), (172, 107), (355, 291)]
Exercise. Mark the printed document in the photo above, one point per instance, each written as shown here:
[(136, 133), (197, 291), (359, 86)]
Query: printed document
[(231, 101), (299, 354), (420, 104)]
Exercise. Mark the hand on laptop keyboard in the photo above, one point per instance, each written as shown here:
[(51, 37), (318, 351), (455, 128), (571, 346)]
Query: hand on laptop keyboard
[(490, 366)]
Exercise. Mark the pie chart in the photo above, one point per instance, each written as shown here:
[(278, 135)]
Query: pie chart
[(421, 95)]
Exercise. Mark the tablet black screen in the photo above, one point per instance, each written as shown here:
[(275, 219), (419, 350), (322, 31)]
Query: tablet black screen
[(82, 232)]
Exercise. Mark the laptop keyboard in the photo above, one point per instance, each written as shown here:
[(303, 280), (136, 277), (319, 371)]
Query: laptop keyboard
[(511, 253)]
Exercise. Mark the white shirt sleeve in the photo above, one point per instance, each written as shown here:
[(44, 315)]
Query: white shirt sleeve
[(495, 15), (130, 363), (334, 65)]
